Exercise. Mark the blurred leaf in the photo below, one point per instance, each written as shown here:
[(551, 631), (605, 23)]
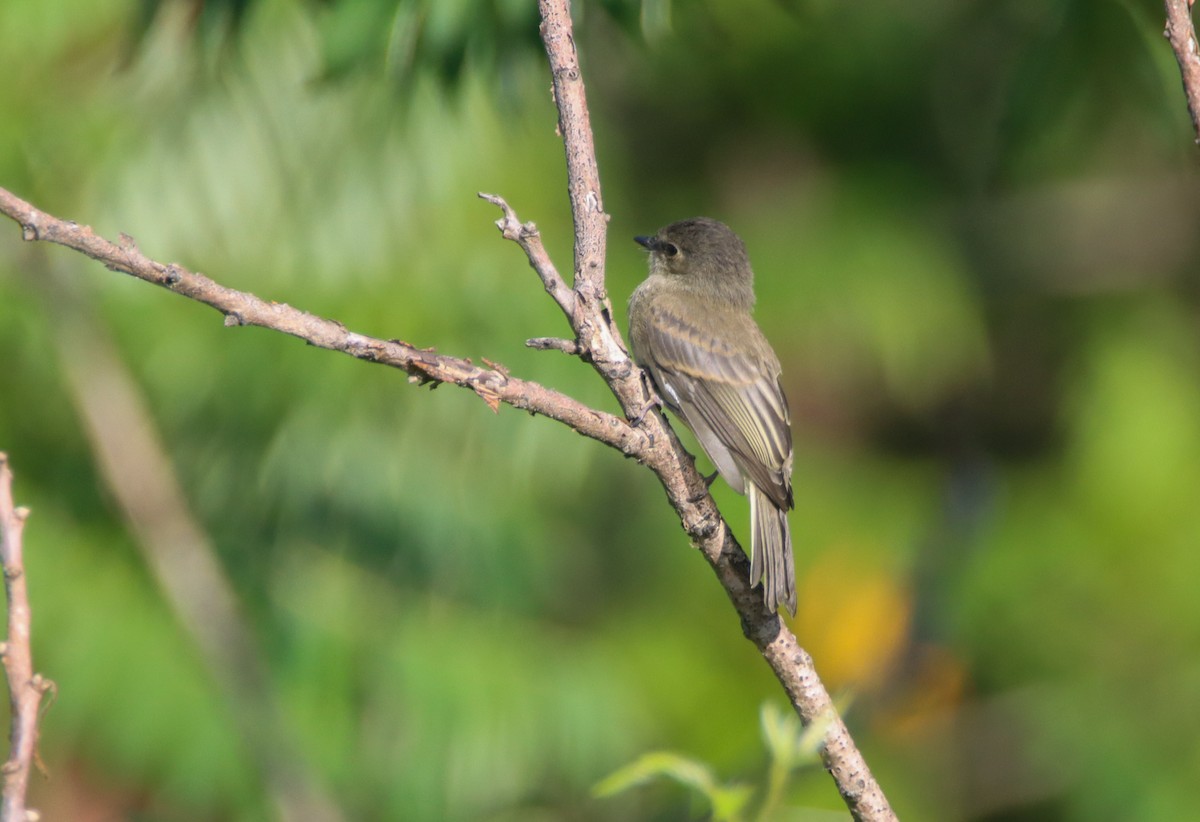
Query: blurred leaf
[(726, 801), (789, 744)]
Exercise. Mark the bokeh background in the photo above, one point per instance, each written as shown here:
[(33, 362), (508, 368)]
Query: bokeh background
[(974, 225)]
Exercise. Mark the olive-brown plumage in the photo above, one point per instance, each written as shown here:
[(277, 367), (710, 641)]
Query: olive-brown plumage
[(691, 328)]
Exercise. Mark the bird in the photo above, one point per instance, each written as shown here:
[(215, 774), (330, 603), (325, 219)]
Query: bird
[(693, 332)]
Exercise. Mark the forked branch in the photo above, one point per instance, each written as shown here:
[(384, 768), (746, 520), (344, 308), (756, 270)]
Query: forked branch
[(25, 688)]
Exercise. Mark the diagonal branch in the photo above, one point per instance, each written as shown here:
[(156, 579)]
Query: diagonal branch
[(493, 385), (1182, 35), (526, 235)]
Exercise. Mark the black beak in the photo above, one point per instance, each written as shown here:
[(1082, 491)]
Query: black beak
[(648, 243)]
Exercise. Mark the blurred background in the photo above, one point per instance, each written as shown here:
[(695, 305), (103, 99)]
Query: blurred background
[(271, 580)]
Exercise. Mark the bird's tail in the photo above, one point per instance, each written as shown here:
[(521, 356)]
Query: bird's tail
[(771, 552)]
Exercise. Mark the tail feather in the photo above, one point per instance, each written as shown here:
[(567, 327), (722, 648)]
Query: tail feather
[(771, 552)]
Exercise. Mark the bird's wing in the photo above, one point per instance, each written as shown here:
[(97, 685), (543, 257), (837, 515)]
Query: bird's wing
[(730, 397)]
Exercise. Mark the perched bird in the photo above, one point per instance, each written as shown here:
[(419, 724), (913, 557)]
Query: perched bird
[(691, 328)]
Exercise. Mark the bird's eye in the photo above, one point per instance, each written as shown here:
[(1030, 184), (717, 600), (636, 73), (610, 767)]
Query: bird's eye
[(670, 249)]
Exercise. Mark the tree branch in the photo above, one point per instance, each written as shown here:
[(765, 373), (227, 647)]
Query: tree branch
[(601, 344), (493, 385), (526, 235), (575, 126), (1182, 36), (25, 688)]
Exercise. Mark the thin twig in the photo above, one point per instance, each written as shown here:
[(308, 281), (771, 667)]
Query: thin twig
[(570, 347), (526, 235), (1182, 35), (25, 688)]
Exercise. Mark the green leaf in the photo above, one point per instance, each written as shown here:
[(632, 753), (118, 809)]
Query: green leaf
[(727, 801)]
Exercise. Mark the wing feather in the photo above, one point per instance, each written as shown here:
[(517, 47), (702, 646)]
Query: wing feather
[(730, 396)]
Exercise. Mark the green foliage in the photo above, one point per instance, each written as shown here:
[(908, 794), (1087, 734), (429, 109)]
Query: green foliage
[(403, 41), (788, 747), (725, 802)]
